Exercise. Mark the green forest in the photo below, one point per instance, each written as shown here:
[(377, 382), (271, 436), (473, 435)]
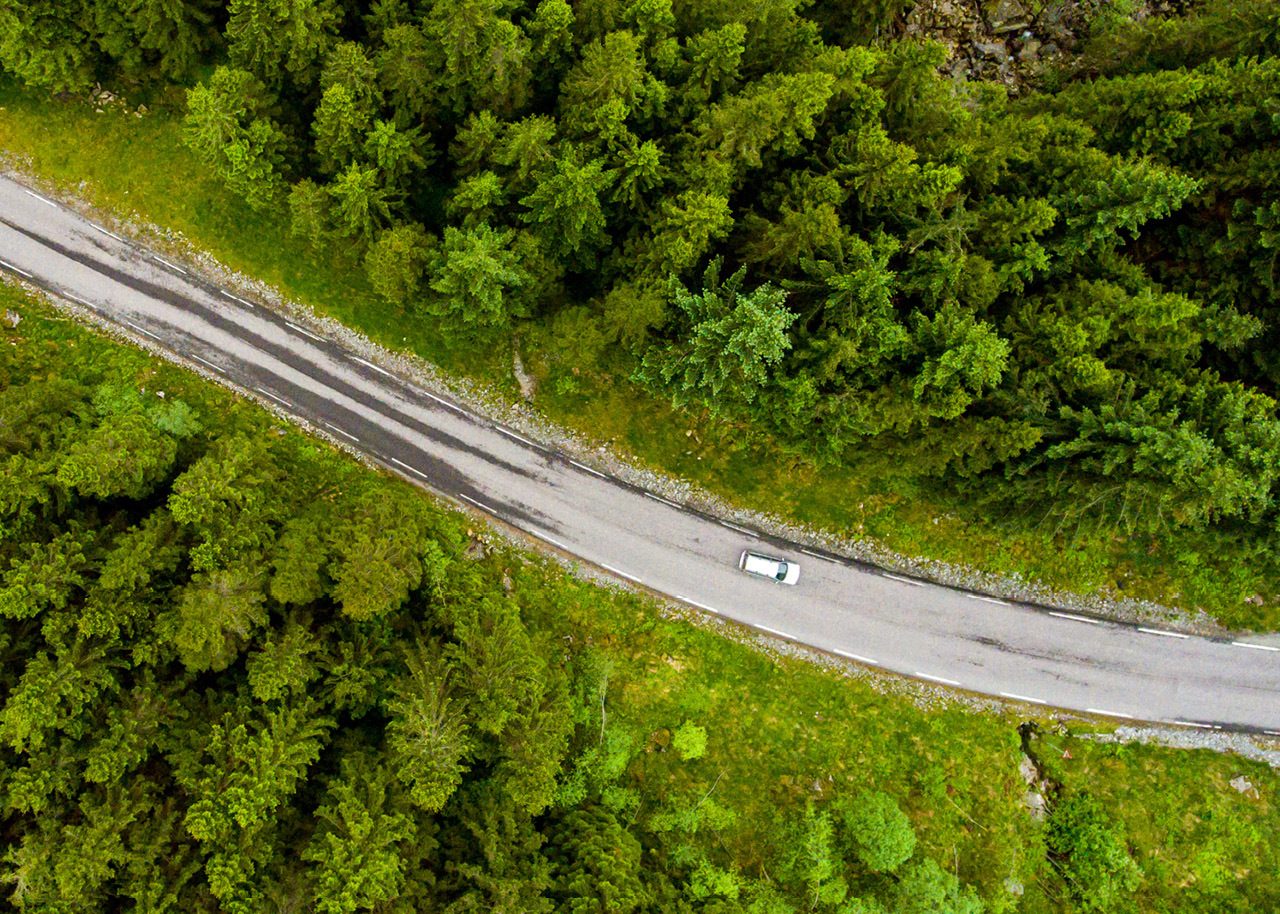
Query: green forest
[(241, 673), (1060, 304)]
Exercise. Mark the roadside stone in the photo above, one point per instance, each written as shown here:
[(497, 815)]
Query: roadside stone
[(1034, 802), (528, 384), (996, 50), (1007, 16), (12, 319), (1030, 51), (1245, 786)]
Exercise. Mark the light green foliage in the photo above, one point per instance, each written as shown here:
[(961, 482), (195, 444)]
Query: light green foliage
[(881, 833), (397, 262), (380, 555), (926, 888), (43, 45), (735, 338), (565, 207), (361, 203), (277, 38), (428, 735), (1089, 850), (229, 126), (690, 741), (358, 865), (478, 277)]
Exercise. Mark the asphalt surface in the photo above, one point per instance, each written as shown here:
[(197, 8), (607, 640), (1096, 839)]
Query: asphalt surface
[(933, 633)]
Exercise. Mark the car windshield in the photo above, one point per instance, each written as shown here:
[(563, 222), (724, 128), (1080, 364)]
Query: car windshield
[(782, 571)]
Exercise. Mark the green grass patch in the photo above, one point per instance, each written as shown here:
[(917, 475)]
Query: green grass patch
[(130, 164)]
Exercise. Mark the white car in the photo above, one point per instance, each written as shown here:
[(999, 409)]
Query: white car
[(779, 570)]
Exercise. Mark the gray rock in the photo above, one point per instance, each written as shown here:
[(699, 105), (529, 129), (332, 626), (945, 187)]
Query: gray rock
[(12, 319), (1030, 50), (1007, 16), (996, 50), (1014, 887), (1034, 802), (1243, 785), (1027, 771)]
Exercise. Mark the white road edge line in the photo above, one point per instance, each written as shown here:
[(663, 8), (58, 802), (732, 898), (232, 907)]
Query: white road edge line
[(106, 232), (216, 368), (9, 266), (479, 504), (1016, 697), (318, 339), (74, 297), (901, 580), (1074, 618), (950, 682), (725, 523), (1256, 647), (373, 366), (172, 266), (511, 434), (588, 469), (819, 555), (661, 499), (857, 657), (1192, 723), (237, 298), (444, 402), (1272, 732), (1162, 632), (693, 602), (1106, 713), (774, 631), (620, 573), (142, 329), (414, 470), (975, 596), (281, 399), (31, 193), (550, 539), (335, 428)]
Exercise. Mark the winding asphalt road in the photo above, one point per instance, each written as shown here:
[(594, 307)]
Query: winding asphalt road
[(950, 637)]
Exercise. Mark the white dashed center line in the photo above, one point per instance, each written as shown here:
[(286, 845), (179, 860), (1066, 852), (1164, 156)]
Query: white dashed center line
[(1106, 713), (725, 523), (858, 657), (9, 266), (661, 499), (977, 596), (479, 504), (1256, 647)]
